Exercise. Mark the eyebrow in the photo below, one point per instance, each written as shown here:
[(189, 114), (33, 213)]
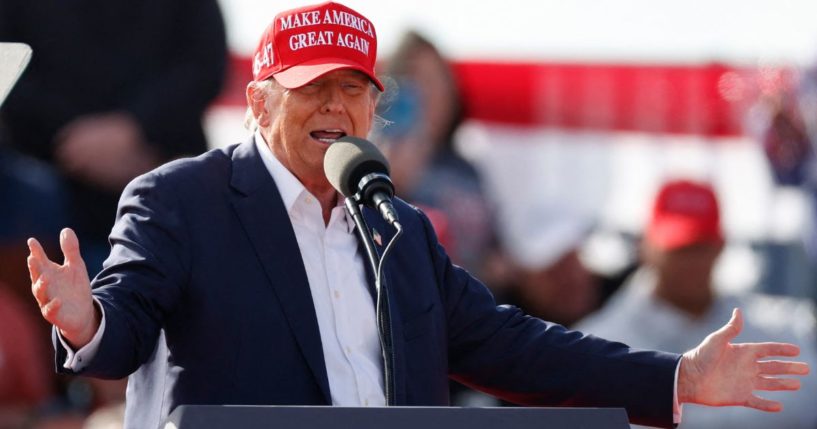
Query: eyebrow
[(354, 73)]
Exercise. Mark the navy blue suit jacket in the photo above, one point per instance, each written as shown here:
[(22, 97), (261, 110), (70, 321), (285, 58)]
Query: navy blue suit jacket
[(206, 301)]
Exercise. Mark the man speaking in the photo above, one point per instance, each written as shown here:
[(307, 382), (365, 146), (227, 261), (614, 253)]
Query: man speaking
[(235, 278)]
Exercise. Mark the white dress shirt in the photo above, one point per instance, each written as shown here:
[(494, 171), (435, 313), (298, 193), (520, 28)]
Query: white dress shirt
[(337, 281)]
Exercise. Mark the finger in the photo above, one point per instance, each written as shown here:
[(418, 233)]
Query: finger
[(34, 270), (763, 404), (769, 383), (50, 310), (70, 248), (40, 291), (38, 261), (762, 350), (732, 328), (780, 367)]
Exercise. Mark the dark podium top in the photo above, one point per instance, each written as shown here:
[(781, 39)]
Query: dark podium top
[(266, 417)]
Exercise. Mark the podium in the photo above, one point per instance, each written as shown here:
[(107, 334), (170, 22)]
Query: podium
[(280, 417)]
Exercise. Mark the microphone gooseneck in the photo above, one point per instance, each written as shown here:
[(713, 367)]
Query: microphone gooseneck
[(357, 169)]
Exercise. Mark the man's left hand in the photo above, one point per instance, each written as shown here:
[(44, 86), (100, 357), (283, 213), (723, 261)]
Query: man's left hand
[(720, 373)]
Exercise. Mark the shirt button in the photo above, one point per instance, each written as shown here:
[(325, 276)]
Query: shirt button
[(337, 294), (365, 402), (348, 350)]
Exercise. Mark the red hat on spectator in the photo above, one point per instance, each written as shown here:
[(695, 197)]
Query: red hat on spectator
[(303, 44), (684, 213)]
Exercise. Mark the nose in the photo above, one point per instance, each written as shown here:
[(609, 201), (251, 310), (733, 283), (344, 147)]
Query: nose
[(332, 100)]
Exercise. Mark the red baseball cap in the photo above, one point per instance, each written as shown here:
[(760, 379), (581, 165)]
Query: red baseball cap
[(301, 45), (684, 213)]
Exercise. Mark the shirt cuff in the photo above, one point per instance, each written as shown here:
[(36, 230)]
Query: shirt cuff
[(77, 360), (676, 406)]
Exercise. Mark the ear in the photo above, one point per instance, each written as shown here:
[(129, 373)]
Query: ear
[(257, 102)]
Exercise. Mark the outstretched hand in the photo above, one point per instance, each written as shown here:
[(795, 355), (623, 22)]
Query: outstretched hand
[(63, 292), (720, 373)]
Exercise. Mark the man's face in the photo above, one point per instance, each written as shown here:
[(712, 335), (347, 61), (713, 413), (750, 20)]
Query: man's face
[(303, 122)]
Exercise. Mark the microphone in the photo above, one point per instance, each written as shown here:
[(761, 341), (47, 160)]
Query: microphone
[(358, 170), (360, 173)]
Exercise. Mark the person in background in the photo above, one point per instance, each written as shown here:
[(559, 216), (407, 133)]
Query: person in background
[(784, 121), (114, 89), (671, 302), (418, 140), (550, 281)]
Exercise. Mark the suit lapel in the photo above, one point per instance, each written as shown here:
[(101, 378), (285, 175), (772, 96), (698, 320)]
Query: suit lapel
[(266, 222), (386, 232)]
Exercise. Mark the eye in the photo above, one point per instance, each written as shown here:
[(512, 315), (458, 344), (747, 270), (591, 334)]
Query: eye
[(353, 87), (311, 87)]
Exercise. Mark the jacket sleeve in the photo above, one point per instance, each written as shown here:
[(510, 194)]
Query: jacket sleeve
[(142, 280), (525, 360)]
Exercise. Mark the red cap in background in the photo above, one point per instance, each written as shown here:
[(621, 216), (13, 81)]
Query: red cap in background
[(684, 213), (303, 44)]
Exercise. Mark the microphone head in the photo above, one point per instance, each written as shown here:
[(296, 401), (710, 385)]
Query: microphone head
[(348, 160)]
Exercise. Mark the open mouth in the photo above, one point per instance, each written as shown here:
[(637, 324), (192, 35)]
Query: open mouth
[(327, 136)]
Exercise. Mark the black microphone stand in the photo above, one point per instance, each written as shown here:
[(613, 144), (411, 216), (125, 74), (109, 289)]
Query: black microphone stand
[(383, 314)]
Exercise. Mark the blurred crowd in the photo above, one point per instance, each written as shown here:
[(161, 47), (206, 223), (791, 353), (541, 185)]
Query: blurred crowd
[(114, 89), (98, 106)]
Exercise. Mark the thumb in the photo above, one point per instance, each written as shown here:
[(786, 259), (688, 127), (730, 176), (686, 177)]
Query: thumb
[(70, 248), (731, 329)]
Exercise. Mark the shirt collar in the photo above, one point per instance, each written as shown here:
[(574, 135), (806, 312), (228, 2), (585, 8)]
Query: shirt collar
[(288, 185)]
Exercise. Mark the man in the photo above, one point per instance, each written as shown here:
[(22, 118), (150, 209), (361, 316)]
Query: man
[(236, 278), (671, 302)]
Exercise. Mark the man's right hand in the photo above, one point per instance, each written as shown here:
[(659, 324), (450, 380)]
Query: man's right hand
[(64, 291), (721, 373)]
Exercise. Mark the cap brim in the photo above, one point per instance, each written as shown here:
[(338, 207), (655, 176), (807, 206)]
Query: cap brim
[(301, 74), (675, 233)]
